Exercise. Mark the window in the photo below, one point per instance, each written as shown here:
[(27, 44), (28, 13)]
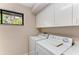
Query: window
[(12, 18)]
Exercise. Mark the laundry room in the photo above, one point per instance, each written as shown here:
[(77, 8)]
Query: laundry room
[(39, 28)]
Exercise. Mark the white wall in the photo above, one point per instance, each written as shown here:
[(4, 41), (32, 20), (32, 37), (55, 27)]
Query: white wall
[(72, 32), (14, 39)]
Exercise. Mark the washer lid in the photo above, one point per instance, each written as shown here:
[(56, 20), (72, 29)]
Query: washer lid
[(51, 48)]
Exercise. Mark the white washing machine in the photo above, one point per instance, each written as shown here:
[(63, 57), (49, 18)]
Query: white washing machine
[(54, 45), (32, 42), (74, 50)]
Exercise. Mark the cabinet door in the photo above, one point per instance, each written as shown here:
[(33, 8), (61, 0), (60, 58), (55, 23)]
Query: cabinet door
[(38, 20), (76, 14), (46, 17), (63, 14)]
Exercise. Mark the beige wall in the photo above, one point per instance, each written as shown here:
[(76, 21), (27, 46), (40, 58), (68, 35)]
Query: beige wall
[(63, 31), (14, 39)]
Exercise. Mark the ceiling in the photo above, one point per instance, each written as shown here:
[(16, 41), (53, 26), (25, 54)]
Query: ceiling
[(36, 7), (28, 4)]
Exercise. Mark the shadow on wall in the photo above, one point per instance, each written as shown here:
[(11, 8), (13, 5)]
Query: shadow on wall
[(63, 31)]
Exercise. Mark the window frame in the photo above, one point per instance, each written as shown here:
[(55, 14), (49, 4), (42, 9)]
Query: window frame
[(2, 12)]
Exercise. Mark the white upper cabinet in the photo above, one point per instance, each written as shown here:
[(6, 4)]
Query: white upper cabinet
[(58, 14), (63, 14), (75, 14), (46, 17)]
